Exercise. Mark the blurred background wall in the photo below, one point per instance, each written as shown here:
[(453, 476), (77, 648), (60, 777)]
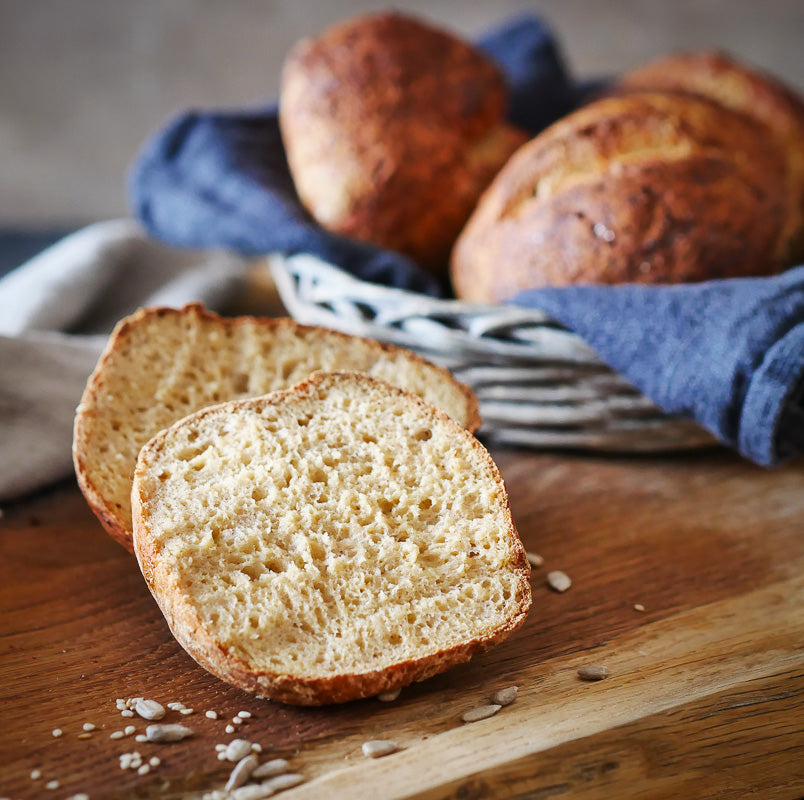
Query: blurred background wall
[(83, 82)]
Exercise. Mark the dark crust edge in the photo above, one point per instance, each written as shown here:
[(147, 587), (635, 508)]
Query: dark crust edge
[(199, 641), (102, 507)]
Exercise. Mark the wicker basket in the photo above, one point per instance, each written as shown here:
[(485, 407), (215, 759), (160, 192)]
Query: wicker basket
[(538, 384)]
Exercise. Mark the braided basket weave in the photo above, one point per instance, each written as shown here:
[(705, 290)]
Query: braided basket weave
[(538, 384)]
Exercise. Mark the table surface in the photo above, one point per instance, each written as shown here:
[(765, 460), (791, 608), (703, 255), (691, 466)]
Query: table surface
[(705, 696)]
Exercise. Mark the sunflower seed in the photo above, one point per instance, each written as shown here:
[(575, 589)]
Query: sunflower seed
[(275, 766), (534, 559), (389, 696), (241, 773), (481, 712), (150, 709), (377, 748), (237, 749), (161, 734), (504, 697), (593, 672), (558, 581)]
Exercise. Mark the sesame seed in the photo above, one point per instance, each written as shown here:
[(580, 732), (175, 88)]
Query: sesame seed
[(186, 711), (256, 747), (140, 737), (154, 761), (229, 729), (377, 748), (127, 712), (85, 735), (52, 785), (534, 559), (116, 735), (56, 732), (36, 774), (121, 703), (639, 607), (129, 729), (211, 714), (144, 769), (389, 696), (558, 581), (244, 714), (222, 756), (79, 796), (88, 726)]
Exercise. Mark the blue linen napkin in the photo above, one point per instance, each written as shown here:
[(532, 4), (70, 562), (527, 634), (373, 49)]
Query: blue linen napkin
[(729, 354)]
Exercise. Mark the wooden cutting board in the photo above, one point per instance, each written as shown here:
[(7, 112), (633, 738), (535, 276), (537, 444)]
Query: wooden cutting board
[(705, 697)]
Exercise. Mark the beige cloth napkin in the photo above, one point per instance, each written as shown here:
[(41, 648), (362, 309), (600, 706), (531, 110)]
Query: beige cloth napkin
[(56, 312)]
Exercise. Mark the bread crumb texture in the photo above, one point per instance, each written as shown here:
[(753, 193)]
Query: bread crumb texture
[(163, 364), (339, 528)]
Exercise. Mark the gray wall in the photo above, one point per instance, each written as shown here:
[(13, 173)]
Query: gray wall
[(82, 82)]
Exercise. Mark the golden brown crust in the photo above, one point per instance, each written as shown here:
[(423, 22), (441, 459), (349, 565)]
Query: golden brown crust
[(646, 187), (392, 130), (200, 642), (748, 91), (110, 514)]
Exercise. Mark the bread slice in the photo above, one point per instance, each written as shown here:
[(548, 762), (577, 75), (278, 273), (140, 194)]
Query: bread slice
[(327, 542), (162, 364)]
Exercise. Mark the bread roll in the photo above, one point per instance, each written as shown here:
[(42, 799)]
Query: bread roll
[(650, 188), (328, 542), (392, 130), (161, 364), (741, 88)]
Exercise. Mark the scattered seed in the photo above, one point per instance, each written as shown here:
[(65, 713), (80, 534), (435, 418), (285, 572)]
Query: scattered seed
[(504, 697), (244, 714), (534, 559), (389, 696), (88, 726), (85, 735), (162, 734), (127, 712), (155, 761), (186, 711), (56, 732), (237, 721), (175, 706), (36, 774), (125, 760), (220, 747), (257, 748), (150, 709), (593, 672), (211, 714), (140, 737), (558, 581), (121, 704), (52, 785), (377, 748), (481, 712), (276, 766), (280, 782), (229, 729), (144, 769), (79, 796), (116, 735), (237, 749), (129, 729), (639, 607), (241, 773)]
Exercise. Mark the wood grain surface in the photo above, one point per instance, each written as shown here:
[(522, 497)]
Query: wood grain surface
[(705, 697)]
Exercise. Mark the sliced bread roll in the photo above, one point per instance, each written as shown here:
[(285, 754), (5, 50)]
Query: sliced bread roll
[(328, 542), (162, 364)]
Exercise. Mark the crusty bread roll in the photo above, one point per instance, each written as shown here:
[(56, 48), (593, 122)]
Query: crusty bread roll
[(161, 364), (744, 89), (650, 188), (328, 542), (392, 130)]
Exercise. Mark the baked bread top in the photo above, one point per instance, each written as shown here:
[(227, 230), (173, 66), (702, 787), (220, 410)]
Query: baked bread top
[(644, 187), (747, 90), (327, 542), (161, 364), (392, 129)]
